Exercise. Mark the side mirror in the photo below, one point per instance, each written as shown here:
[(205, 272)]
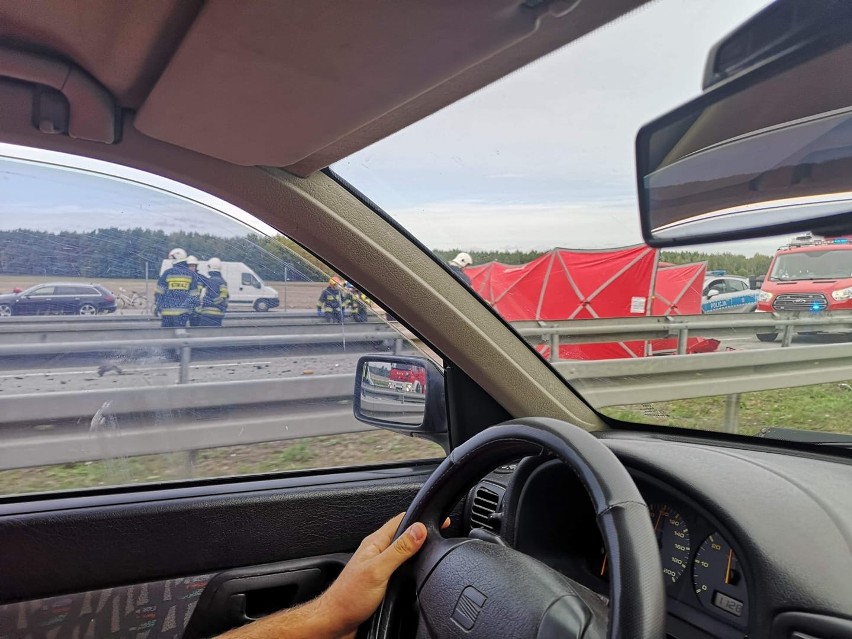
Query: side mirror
[(402, 394), (712, 293)]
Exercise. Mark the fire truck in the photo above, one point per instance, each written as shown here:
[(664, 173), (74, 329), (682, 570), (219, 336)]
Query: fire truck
[(809, 277), (407, 377)]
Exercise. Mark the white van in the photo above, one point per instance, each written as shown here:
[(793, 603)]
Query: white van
[(247, 291)]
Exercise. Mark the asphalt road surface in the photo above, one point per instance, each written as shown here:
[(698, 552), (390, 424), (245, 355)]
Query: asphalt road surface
[(160, 371)]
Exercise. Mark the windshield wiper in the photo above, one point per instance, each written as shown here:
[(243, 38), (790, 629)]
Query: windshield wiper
[(808, 436)]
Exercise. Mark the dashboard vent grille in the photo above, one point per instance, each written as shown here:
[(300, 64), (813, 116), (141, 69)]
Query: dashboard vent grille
[(484, 505)]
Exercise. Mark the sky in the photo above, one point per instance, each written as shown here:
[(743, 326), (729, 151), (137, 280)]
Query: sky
[(540, 159), (93, 194), (546, 155)]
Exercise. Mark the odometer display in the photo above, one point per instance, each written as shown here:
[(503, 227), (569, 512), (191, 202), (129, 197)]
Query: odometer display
[(718, 578), (672, 539)]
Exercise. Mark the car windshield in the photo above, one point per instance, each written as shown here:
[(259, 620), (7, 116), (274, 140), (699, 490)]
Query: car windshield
[(527, 189), (813, 265)]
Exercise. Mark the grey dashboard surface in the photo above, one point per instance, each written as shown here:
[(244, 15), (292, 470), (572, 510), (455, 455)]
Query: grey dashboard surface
[(786, 514)]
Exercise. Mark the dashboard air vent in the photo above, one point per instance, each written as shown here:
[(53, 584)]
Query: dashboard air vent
[(485, 503)]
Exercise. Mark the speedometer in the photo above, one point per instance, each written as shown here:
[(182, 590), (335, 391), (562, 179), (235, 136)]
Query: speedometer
[(718, 579), (672, 539)]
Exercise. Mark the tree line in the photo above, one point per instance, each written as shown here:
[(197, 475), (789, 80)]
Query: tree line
[(731, 263), (123, 253)]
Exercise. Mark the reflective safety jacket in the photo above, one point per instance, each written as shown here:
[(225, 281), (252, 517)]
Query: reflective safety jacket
[(178, 291), (356, 305), (215, 300), (330, 300)]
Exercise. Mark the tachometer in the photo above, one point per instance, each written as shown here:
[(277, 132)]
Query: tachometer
[(672, 538), (718, 578)]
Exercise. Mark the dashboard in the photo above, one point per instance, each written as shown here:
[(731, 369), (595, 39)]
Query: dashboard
[(744, 533)]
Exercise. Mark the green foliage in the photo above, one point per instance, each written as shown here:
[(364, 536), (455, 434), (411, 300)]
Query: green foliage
[(732, 263), (821, 407), (729, 262), (122, 253)]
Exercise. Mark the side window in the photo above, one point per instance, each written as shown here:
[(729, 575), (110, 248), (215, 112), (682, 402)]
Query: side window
[(120, 402), (250, 280), (737, 285), (719, 285), (75, 290)]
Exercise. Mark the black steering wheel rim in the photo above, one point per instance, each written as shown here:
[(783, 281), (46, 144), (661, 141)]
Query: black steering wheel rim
[(637, 597)]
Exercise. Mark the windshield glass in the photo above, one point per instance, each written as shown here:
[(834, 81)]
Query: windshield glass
[(813, 265), (527, 189)]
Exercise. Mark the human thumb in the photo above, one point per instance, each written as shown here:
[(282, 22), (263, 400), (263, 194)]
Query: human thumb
[(403, 548)]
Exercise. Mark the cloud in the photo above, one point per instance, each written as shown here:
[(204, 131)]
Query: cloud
[(480, 225), (558, 135)]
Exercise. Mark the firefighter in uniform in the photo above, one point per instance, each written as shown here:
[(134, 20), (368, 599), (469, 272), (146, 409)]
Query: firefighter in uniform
[(192, 265), (214, 302), (357, 305), (458, 264), (178, 292), (330, 303)]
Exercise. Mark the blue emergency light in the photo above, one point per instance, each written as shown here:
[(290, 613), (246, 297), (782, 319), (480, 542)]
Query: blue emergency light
[(838, 240)]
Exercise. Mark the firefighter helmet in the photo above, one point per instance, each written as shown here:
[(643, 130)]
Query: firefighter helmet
[(214, 264), (177, 254), (192, 260), (462, 260)]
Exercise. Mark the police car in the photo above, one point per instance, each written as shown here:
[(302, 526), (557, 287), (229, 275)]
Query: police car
[(728, 294)]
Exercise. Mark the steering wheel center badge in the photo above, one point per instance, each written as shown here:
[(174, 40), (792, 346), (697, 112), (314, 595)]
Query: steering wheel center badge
[(468, 607)]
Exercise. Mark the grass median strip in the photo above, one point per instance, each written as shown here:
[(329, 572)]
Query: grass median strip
[(822, 407)]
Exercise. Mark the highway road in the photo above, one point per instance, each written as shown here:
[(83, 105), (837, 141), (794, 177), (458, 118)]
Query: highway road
[(159, 371)]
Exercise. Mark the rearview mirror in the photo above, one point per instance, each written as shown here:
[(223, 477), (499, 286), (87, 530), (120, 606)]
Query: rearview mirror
[(712, 293), (766, 150), (402, 394)]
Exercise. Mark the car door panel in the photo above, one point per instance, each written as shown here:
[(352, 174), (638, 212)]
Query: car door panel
[(159, 609), (190, 607), (145, 537)]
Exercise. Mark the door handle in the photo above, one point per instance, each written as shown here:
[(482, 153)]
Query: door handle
[(240, 596)]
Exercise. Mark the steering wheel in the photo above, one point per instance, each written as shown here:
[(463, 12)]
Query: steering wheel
[(475, 589)]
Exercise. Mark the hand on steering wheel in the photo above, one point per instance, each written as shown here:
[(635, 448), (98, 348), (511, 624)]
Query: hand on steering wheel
[(474, 589)]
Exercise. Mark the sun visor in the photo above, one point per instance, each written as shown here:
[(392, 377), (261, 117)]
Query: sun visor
[(271, 82)]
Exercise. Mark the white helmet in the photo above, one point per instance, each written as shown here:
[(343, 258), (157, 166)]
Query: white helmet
[(214, 264), (178, 255), (462, 260), (192, 260)]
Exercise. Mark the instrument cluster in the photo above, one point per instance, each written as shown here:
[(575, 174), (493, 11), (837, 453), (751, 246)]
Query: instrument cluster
[(705, 576)]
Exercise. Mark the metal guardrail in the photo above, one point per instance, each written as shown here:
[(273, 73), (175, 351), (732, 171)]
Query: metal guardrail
[(603, 383), (390, 403), (67, 405), (657, 379), (61, 334), (178, 436), (681, 327)]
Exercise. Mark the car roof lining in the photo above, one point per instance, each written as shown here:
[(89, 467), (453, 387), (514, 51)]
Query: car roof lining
[(293, 84)]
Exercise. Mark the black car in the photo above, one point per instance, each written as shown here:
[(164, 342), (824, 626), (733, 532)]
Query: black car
[(58, 299)]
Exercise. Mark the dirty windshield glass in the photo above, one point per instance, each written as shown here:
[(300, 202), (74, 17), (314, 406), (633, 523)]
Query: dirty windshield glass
[(532, 197)]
